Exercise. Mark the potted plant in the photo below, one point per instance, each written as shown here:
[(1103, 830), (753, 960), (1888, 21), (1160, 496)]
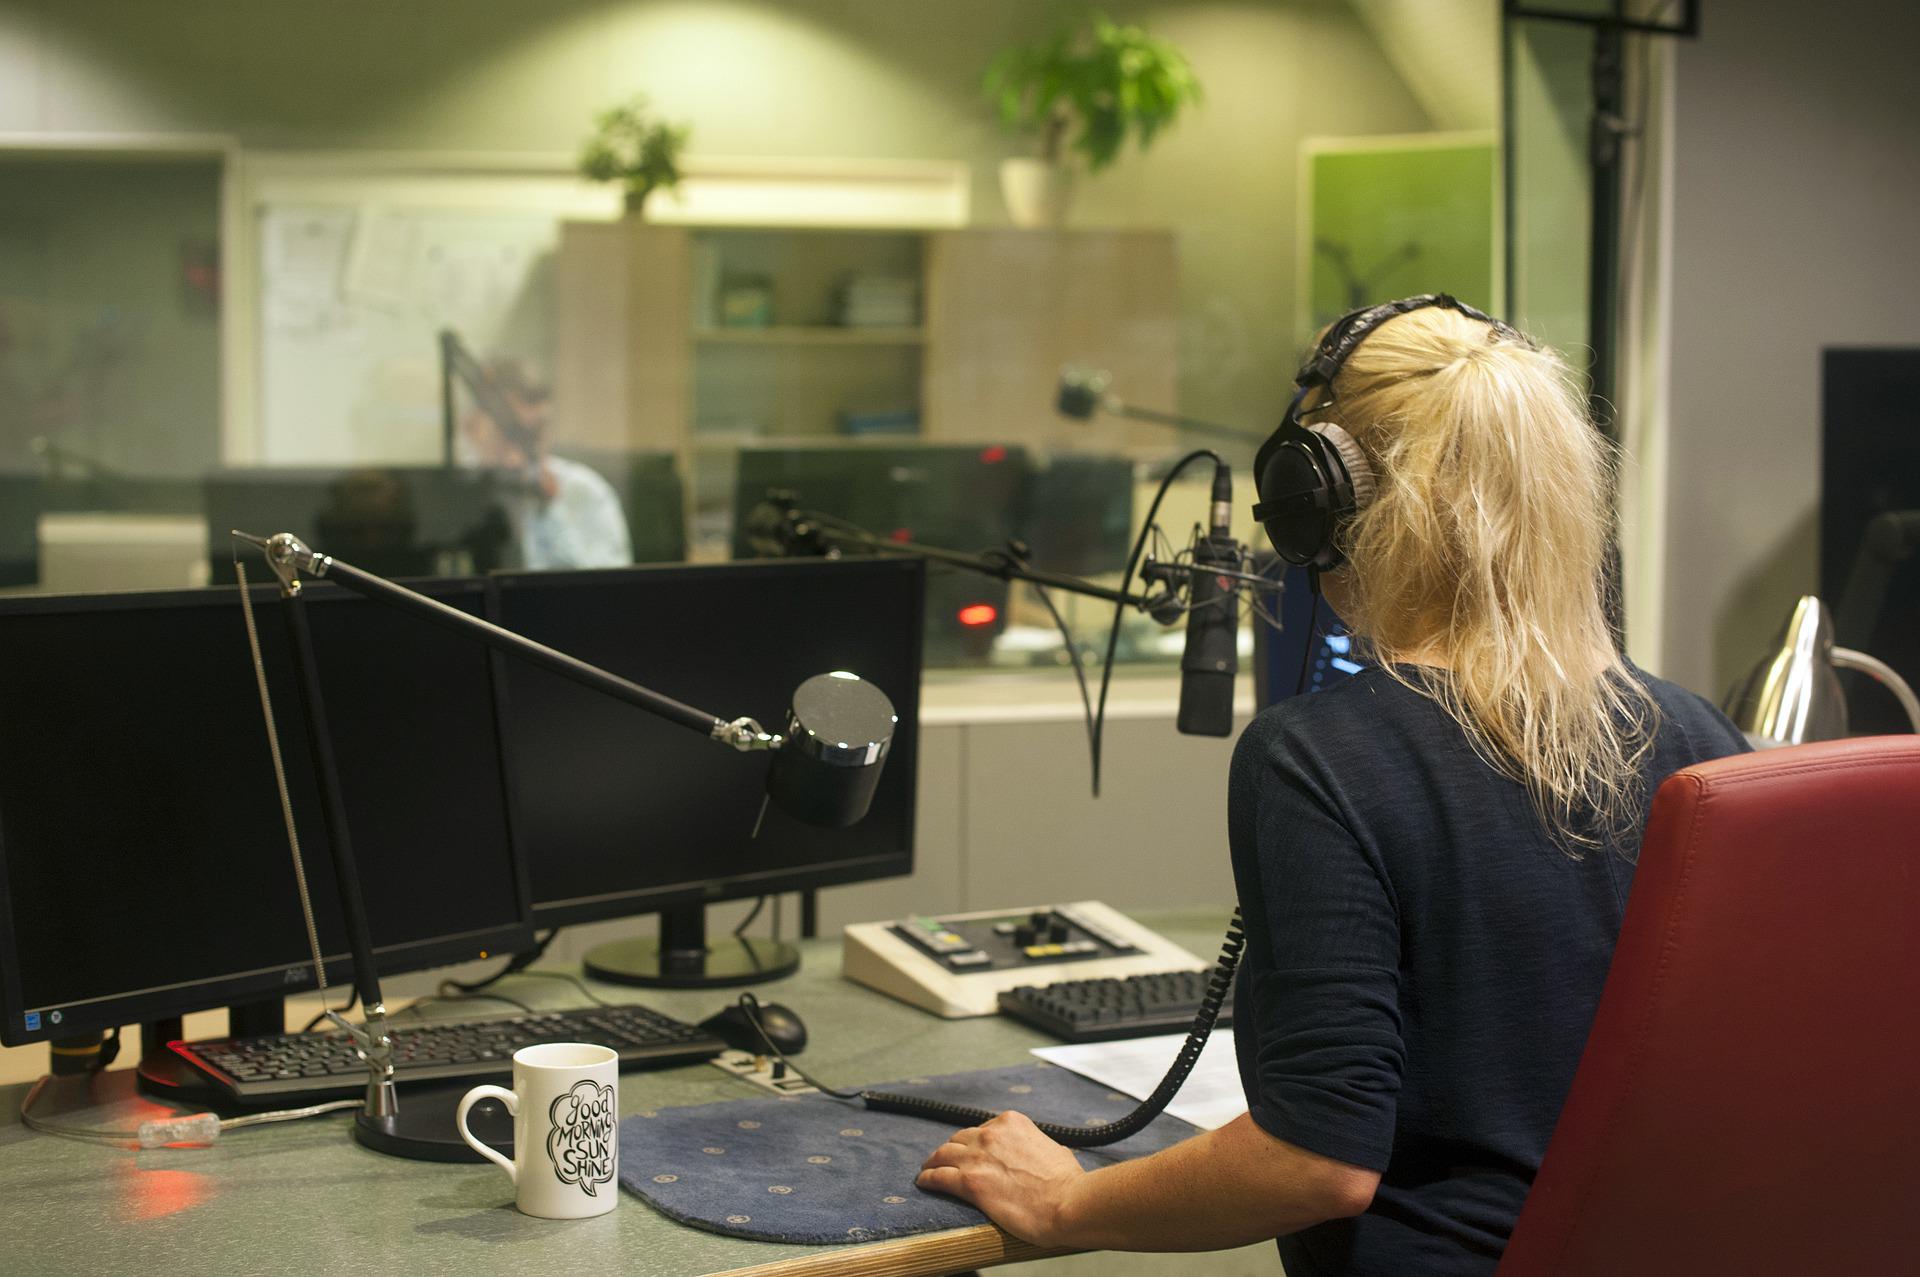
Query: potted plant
[(631, 147), (1087, 90)]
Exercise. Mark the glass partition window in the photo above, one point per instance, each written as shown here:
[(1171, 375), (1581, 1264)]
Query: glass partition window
[(432, 346)]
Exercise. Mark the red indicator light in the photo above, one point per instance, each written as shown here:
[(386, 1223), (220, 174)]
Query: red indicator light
[(977, 614), (993, 454), (900, 535)]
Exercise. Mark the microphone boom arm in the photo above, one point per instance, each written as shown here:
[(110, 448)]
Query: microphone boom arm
[(289, 558), (822, 534)]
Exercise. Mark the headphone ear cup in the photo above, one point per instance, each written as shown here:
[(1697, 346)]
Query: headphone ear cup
[(1359, 469), (1294, 504)]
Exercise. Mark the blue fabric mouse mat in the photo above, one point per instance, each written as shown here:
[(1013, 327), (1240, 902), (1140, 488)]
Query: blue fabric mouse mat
[(809, 1168)]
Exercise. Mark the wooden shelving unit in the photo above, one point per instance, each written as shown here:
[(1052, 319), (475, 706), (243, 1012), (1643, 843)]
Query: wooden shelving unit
[(640, 362)]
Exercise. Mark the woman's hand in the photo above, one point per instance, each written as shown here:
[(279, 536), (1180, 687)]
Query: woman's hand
[(1007, 1168)]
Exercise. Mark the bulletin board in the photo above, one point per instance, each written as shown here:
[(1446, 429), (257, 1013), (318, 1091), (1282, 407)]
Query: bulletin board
[(1396, 216)]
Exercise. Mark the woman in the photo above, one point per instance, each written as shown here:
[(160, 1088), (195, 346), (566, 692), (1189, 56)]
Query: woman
[(1432, 857)]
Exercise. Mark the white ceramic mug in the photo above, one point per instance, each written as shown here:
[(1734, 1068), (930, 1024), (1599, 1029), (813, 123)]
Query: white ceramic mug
[(565, 1103)]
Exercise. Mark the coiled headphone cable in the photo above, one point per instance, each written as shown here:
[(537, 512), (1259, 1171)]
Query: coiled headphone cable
[(1096, 1136)]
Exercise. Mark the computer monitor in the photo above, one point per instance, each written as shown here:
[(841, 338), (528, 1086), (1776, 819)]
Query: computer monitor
[(1327, 648), (1870, 466), (1078, 515), (392, 520), (957, 498), (622, 813), (144, 866), (21, 498)]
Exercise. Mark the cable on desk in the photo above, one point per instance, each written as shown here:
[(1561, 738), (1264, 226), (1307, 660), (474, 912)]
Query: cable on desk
[(573, 980), (444, 996), (187, 1128)]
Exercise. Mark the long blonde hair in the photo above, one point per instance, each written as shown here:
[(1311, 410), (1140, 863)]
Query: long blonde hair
[(1486, 542)]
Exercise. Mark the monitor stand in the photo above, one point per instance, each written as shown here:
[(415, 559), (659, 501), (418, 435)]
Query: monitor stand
[(682, 957), (166, 1076)]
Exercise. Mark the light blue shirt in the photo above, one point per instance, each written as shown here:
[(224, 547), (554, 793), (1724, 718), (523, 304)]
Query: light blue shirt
[(583, 525)]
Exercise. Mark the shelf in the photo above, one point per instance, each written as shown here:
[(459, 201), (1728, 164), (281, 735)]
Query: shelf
[(819, 335)]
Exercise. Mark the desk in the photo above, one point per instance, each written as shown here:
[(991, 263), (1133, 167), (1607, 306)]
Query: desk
[(303, 1197)]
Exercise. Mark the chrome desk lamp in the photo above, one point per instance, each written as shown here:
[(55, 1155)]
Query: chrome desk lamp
[(1794, 695), (825, 768)]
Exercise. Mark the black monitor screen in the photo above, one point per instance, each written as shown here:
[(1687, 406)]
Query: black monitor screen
[(144, 866), (624, 813), (394, 520), (1308, 636), (1870, 466)]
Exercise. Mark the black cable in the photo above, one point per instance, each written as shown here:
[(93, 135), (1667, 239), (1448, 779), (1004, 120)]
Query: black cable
[(1120, 609), (750, 1007), (1306, 650), (1105, 1132), (747, 921), (417, 1003), (1079, 674), (573, 980), (518, 963), (353, 1000)]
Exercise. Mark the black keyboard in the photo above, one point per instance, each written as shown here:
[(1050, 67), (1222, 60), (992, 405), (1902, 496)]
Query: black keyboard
[(286, 1066), (1137, 1006)]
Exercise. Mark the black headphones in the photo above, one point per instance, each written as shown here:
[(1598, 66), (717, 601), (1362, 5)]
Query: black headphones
[(1311, 480)]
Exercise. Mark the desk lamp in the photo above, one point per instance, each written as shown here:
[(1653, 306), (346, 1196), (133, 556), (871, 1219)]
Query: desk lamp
[(825, 769), (1792, 696)]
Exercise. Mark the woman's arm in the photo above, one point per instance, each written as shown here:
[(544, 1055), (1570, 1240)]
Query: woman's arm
[(1222, 1188)]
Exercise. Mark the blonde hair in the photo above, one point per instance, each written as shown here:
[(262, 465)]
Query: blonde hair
[(1486, 542)]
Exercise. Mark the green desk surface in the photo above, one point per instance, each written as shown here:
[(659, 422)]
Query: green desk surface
[(303, 1197)]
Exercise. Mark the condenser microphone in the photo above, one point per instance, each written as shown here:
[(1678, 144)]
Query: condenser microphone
[(1211, 658)]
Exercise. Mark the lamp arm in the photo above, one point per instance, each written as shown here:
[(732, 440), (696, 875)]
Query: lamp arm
[(290, 558), (1873, 667)]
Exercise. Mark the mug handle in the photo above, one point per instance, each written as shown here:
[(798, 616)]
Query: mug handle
[(487, 1151)]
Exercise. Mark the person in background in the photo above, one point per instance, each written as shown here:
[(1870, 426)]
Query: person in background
[(1432, 858), (566, 515)]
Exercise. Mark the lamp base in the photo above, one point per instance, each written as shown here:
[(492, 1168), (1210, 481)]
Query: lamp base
[(424, 1130)]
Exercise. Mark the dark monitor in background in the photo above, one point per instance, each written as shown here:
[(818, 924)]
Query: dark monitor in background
[(622, 813), (1078, 515), (1326, 648), (391, 520), (957, 498), (21, 497), (651, 497), (1870, 465), (144, 867)]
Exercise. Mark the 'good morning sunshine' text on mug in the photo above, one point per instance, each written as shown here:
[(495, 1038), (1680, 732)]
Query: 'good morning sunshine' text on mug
[(565, 1103)]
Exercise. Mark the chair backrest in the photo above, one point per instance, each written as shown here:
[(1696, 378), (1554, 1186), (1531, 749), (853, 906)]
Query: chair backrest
[(1747, 1099)]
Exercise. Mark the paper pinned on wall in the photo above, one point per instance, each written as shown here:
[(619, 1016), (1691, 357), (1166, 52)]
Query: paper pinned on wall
[(303, 252), (382, 259), (1210, 1098)]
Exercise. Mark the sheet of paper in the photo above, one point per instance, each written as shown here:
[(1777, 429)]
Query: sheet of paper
[(1210, 1098)]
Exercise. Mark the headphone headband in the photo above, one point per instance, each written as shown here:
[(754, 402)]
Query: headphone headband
[(1352, 328)]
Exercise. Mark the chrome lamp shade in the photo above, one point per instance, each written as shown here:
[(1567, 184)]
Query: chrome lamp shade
[(1794, 695)]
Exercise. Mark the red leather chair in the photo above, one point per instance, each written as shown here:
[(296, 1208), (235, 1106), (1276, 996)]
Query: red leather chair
[(1749, 1098)]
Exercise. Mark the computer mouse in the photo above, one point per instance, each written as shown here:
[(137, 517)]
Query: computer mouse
[(783, 1027)]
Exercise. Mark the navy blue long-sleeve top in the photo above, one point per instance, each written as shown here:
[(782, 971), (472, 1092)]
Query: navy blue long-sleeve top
[(1423, 961)]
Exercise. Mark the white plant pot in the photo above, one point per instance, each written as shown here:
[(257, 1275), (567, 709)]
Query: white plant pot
[(1036, 193)]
